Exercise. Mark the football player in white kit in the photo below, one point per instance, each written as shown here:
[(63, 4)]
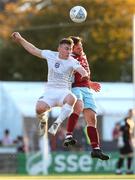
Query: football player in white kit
[(57, 91)]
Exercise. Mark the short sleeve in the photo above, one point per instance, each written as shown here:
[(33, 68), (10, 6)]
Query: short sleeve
[(46, 54)]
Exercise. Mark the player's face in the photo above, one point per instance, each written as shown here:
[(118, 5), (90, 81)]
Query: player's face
[(78, 49), (64, 51)]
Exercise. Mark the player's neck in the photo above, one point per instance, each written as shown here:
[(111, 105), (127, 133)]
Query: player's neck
[(62, 57)]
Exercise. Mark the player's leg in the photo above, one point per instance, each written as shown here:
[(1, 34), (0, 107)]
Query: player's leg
[(129, 164), (91, 120), (68, 102), (42, 116), (93, 135), (119, 165), (44, 104), (71, 123), (120, 162), (129, 155), (72, 120)]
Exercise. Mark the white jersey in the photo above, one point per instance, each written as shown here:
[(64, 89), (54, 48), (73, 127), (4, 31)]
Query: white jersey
[(59, 71)]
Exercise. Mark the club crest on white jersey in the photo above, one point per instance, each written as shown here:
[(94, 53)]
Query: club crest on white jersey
[(60, 71)]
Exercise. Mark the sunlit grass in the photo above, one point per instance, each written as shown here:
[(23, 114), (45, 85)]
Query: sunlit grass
[(68, 177)]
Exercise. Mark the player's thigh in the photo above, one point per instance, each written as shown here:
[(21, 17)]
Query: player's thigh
[(90, 117), (88, 99), (46, 101), (78, 107)]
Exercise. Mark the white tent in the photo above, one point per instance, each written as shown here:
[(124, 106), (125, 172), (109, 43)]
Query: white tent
[(18, 100)]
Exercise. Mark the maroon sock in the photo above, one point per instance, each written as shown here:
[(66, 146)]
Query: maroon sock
[(93, 136), (72, 120)]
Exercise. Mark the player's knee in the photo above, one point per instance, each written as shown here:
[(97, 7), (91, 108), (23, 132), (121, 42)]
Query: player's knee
[(77, 111), (92, 122), (74, 100), (41, 108), (70, 99), (90, 117)]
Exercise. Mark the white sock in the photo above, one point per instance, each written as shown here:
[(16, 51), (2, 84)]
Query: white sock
[(66, 110)]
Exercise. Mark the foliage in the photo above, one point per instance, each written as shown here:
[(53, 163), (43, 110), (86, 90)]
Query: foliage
[(107, 35)]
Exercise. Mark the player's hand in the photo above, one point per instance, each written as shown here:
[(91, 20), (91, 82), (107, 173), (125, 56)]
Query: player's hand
[(16, 36), (95, 86)]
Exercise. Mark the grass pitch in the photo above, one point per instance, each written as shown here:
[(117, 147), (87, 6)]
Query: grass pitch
[(68, 177)]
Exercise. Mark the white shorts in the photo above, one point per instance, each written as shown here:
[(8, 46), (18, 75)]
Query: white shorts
[(55, 96)]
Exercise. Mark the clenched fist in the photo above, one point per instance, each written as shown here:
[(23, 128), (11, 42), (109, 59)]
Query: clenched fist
[(16, 36)]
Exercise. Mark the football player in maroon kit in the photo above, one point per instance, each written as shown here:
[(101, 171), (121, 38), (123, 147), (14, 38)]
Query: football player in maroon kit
[(85, 103)]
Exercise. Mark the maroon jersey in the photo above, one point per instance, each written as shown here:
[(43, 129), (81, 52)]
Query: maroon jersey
[(78, 82)]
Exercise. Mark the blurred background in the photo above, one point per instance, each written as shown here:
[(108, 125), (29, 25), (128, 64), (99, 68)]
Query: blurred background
[(109, 45)]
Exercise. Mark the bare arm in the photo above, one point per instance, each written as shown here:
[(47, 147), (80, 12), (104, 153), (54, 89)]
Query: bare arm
[(28, 46), (83, 73)]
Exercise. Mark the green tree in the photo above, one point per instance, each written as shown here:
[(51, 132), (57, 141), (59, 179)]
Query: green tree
[(107, 35)]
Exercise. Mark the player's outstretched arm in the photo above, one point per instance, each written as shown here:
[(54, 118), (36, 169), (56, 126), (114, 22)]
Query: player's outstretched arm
[(28, 46)]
